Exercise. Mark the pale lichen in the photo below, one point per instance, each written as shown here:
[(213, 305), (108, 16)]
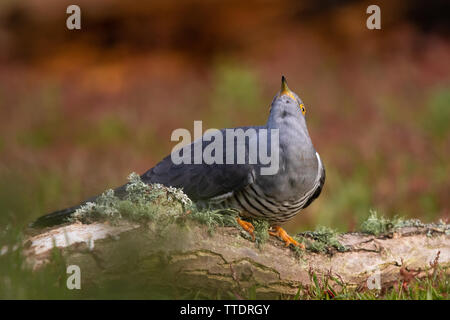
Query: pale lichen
[(323, 239), (378, 225), (152, 202)]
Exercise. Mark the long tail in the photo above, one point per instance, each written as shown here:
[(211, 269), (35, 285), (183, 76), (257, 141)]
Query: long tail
[(64, 215), (54, 218)]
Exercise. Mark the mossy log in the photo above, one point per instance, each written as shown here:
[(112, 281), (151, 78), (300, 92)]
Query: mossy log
[(196, 258)]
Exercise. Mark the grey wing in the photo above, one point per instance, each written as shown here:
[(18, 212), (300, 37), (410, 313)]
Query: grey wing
[(201, 181)]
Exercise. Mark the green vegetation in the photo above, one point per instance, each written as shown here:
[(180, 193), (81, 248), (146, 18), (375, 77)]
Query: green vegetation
[(238, 86), (156, 203), (377, 225), (143, 203), (108, 130), (261, 231), (358, 178), (46, 117), (77, 121), (323, 239), (434, 287), (438, 114)]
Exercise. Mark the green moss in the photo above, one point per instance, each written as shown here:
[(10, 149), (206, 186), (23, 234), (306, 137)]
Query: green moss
[(261, 231), (214, 218), (323, 239)]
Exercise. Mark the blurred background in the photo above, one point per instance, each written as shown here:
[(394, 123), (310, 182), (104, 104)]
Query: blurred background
[(80, 110)]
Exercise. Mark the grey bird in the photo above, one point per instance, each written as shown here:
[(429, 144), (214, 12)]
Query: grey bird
[(274, 197)]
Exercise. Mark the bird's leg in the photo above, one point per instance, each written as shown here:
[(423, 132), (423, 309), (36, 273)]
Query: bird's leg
[(247, 226), (279, 232)]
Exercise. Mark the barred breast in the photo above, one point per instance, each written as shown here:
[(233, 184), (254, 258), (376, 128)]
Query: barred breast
[(253, 202)]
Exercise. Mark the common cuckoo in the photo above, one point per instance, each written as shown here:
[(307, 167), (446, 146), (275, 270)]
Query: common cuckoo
[(276, 197)]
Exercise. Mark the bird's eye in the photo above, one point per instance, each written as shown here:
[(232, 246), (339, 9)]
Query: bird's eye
[(302, 107)]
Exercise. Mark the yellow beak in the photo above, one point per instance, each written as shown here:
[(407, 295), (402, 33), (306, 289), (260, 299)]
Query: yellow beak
[(284, 88)]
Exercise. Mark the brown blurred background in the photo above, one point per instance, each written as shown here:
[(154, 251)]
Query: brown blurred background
[(80, 110)]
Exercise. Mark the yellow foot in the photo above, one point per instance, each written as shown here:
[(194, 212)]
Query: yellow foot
[(279, 232), (247, 226)]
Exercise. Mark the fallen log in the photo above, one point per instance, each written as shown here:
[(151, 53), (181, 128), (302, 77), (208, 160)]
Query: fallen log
[(192, 257)]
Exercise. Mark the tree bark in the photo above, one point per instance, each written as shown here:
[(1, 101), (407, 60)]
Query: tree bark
[(225, 260)]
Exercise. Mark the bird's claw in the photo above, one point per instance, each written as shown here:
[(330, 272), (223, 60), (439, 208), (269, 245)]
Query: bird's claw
[(247, 226), (279, 232)]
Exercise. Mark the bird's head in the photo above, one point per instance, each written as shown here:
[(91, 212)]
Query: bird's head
[(288, 100), (287, 109), (287, 96)]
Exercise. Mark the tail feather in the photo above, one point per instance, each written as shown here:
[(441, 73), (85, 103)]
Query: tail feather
[(64, 215), (54, 218)]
